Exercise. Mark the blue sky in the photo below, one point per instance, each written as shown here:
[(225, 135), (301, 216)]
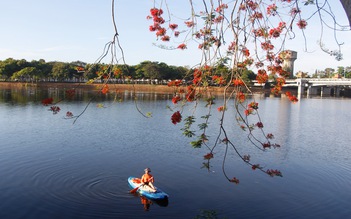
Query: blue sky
[(71, 30)]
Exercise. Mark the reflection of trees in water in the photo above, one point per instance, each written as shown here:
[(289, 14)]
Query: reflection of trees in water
[(24, 95)]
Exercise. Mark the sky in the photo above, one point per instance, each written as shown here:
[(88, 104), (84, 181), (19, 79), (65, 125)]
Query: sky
[(72, 30)]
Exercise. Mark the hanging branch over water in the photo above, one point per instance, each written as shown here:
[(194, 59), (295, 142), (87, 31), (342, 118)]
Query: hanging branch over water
[(234, 37)]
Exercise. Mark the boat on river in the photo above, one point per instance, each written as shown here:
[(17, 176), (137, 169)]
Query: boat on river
[(145, 190)]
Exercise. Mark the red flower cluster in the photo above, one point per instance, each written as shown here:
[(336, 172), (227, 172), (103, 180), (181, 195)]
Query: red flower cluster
[(105, 89), (266, 145), (221, 109), (246, 52), (176, 83), (69, 114), (182, 46), (189, 23), (208, 156), (221, 8), (241, 97), (218, 79), (156, 16), (259, 32), (176, 99), (253, 105), (267, 46), (80, 69), (197, 76), (274, 173), (270, 136), (259, 125), (190, 94), (55, 109), (291, 97), (272, 9), (255, 166), (256, 16), (262, 76), (176, 117), (251, 108), (238, 82), (302, 24), (275, 32)]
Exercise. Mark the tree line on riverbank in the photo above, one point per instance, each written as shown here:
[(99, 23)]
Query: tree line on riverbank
[(40, 70), (22, 70)]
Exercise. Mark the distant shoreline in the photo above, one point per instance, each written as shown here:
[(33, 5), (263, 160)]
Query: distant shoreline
[(121, 87)]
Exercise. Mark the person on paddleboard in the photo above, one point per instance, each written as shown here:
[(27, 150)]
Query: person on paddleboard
[(147, 179)]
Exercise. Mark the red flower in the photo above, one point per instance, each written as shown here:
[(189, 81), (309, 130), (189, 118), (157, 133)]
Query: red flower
[(173, 26), (176, 117), (259, 125), (156, 12), (302, 24), (208, 156), (189, 23), (238, 82), (161, 32), (221, 109), (152, 28), (246, 52), (234, 180), (267, 46), (190, 95), (174, 83), (262, 76), (255, 166), (220, 8), (266, 145), (241, 97), (274, 32), (248, 111), (182, 46), (176, 99), (274, 173), (253, 105), (270, 136), (47, 101), (158, 20), (105, 89), (69, 114), (165, 38), (272, 10), (55, 109)]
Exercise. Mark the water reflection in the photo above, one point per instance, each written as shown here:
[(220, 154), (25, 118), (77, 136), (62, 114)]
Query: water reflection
[(50, 168), (147, 203), (26, 95)]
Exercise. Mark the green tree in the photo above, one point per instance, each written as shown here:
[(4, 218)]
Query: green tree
[(61, 71), (8, 67), (26, 74)]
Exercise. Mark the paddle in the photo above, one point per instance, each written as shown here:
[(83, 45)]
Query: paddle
[(135, 189)]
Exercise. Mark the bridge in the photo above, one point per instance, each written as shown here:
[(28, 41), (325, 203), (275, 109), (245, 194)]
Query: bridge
[(319, 86)]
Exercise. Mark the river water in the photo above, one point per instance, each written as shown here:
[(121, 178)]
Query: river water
[(52, 168)]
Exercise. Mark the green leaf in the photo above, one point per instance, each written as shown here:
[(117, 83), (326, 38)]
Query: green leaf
[(203, 126), (196, 144)]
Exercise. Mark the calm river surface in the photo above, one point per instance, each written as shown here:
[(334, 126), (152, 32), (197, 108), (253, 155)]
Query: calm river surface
[(51, 168)]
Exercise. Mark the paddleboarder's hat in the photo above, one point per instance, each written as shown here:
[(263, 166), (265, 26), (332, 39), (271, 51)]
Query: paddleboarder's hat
[(147, 169)]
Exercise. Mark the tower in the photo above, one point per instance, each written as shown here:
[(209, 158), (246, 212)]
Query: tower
[(289, 58)]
